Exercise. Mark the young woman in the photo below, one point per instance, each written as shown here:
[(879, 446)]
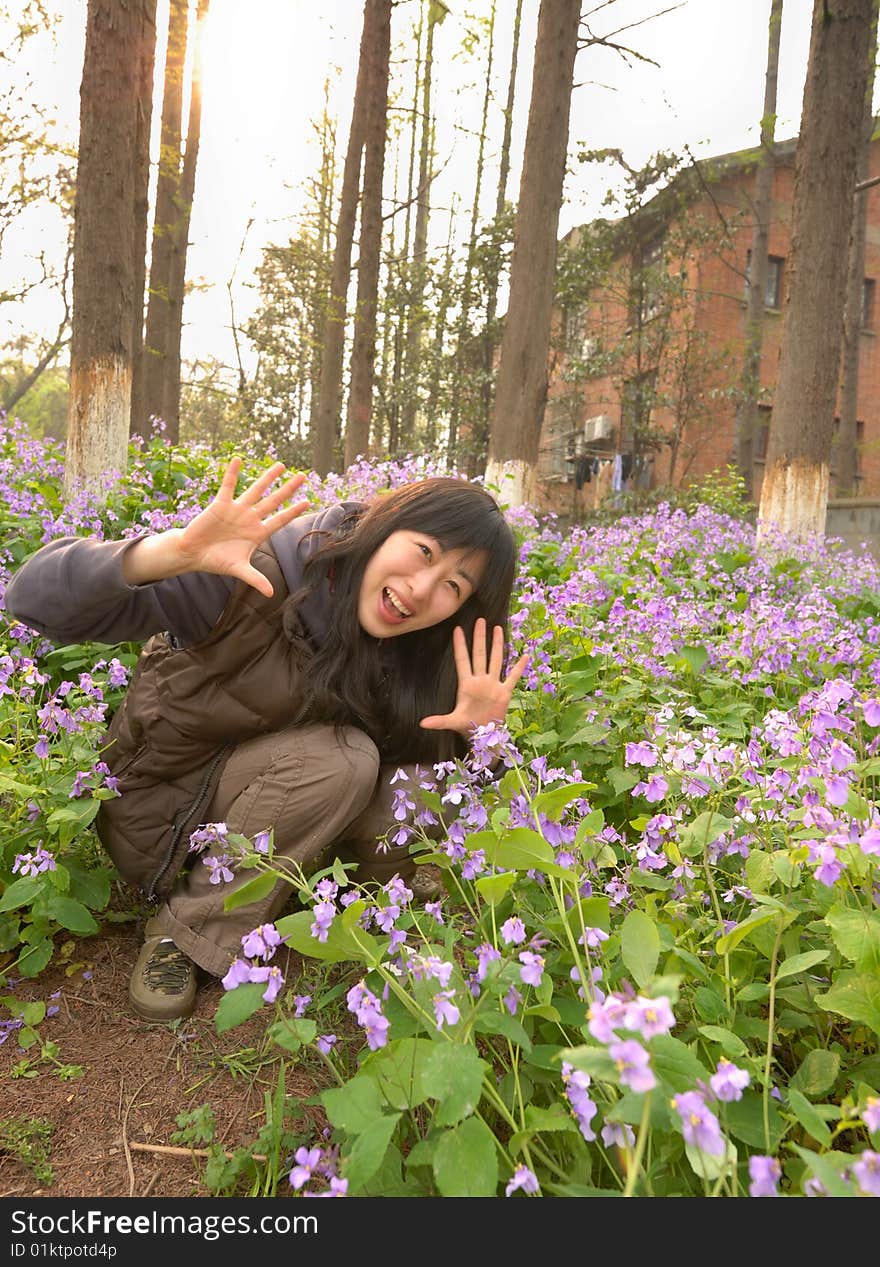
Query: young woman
[(291, 664)]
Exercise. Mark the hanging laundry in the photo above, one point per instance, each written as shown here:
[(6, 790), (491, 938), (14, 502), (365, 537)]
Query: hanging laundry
[(617, 474)]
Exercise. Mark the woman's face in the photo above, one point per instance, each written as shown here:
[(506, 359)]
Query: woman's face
[(412, 583)]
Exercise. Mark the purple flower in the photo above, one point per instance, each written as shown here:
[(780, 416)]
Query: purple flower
[(512, 1000), (262, 840), (728, 1082), (307, 1160), (532, 972), (649, 1016), (338, 1188), (593, 937), (633, 1065), (836, 790), (219, 868), (434, 910), (619, 1133), (699, 1125), (576, 1083), (871, 709), (605, 1016), (41, 747), (444, 1010), (871, 1113), (325, 1043), (655, 789), (261, 942), (513, 931), (33, 863), (764, 1173), (239, 972), (522, 1178), (486, 954), (272, 978), (867, 1172), (830, 868), (869, 842), (300, 1003), (641, 754), (324, 913)]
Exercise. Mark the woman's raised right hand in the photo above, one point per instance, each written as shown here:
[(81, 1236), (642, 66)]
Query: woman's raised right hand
[(222, 538)]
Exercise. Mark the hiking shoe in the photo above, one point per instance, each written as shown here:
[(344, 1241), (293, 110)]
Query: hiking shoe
[(426, 883), (163, 983)]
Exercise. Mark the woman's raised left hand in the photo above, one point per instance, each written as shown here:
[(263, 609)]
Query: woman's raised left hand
[(483, 694)]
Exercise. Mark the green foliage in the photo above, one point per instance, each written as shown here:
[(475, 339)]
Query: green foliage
[(28, 1140)]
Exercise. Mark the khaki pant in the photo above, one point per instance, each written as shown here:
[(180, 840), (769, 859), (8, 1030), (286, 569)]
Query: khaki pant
[(317, 788)]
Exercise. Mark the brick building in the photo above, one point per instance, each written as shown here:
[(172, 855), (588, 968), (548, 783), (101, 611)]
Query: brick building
[(649, 332)]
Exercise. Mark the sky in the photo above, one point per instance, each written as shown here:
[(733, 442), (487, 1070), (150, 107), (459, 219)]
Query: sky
[(698, 83)]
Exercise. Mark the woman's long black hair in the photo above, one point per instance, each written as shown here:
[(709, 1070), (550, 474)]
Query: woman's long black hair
[(386, 685)]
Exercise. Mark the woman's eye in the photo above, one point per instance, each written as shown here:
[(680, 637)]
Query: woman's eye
[(426, 550), (456, 587)]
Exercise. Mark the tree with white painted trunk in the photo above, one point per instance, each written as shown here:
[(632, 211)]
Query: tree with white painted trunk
[(521, 390), (794, 495), (103, 254)]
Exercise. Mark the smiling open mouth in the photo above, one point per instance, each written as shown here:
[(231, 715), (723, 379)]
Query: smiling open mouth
[(394, 602)]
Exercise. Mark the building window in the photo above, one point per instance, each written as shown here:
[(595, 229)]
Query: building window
[(648, 271), (556, 459), (762, 433), (638, 398), (773, 289), (868, 293)]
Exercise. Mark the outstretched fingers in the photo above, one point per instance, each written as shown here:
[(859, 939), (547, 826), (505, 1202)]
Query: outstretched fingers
[(517, 671)]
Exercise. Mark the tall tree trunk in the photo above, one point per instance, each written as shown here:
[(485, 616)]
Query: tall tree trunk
[(103, 259), (327, 408), (146, 61), (180, 233), (847, 436), (746, 421), (436, 13), (489, 334), (521, 391), (363, 352), (323, 234), (463, 343), (794, 497), (156, 339)]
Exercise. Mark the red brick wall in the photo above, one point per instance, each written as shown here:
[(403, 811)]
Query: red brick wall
[(718, 312)]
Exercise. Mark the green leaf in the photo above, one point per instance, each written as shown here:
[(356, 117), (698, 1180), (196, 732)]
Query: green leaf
[(398, 1069), (640, 946), (293, 1032), (33, 959), (827, 1169), (492, 888), (708, 1166), (238, 1005), (555, 800), (354, 1106), (92, 888), (592, 1060), (799, 963), (856, 935), (728, 941), (368, 1151), (541, 1121), (676, 1064), (809, 1118), (342, 943), (21, 892), (465, 1161), (856, 997), (745, 1121), (705, 828), (731, 1044), (694, 658), (501, 1023), (70, 914), (817, 1073), (623, 780), (522, 849), (453, 1075), (759, 871), (257, 888)]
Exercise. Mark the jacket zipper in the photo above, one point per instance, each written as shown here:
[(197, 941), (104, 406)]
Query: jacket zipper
[(195, 806)]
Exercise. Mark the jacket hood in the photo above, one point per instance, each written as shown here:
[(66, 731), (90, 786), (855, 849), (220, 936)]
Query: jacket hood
[(294, 545)]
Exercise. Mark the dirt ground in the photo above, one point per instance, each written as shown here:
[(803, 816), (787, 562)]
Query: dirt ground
[(111, 1125)]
